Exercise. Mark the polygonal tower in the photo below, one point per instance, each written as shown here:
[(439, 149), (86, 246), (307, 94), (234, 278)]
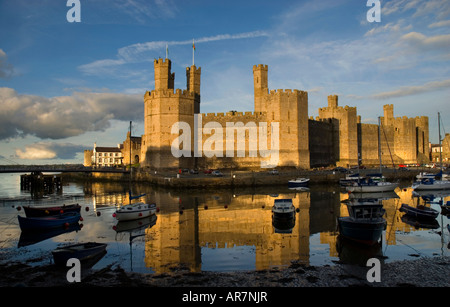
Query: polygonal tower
[(164, 108)]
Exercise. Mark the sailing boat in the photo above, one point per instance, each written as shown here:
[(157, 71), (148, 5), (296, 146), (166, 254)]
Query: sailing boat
[(370, 185), (432, 183), (137, 210)]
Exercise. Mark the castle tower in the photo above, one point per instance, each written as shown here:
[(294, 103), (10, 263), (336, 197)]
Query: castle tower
[(193, 84), (288, 108), (388, 110), (333, 101), (165, 110), (261, 86), (164, 79), (346, 146)]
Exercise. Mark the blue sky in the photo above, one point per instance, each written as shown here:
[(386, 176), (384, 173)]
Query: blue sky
[(64, 86)]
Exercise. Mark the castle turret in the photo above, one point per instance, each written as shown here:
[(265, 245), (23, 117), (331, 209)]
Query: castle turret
[(261, 86), (388, 110), (193, 84), (333, 101), (164, 79)]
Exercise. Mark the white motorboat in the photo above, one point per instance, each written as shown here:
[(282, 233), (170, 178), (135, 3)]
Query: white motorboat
[(283, 209), (425, 175), (369, 186), (134, 211), (431, 184), (298, 182)]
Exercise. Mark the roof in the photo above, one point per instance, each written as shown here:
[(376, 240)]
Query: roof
[(107, 149)]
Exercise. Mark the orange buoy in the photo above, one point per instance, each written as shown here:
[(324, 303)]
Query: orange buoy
[(66, 225), (81, 218)]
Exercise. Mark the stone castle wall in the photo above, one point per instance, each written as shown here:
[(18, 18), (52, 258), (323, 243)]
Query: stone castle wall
[(336, 137)]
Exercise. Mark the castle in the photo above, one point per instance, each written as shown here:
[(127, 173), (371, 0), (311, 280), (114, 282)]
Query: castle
[(278, 133)]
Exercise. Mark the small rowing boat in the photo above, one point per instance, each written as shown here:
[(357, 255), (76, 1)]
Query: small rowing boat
[(80, 251), (36, 211), (45, 222)]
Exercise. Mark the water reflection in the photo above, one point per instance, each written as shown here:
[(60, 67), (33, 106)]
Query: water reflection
[(234, 229), (190, 223)]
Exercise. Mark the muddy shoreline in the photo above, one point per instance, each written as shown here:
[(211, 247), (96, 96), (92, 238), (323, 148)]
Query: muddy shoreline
[(421, 272)]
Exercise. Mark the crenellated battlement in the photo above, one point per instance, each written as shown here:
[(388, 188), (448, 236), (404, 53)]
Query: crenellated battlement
[(169, 93), (338, 109), (161, 61), (288, 92), (260, 66), (195, 69), (233, 116)]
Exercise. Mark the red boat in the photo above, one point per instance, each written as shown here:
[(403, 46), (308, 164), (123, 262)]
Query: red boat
[(31, 211)]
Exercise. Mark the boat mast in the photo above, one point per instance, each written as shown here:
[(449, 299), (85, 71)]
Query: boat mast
[(440, 146), (129, 195), (379, 141)]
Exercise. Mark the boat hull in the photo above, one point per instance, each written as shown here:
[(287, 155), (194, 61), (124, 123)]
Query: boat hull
[(380, 187), (136, 213), (419, 213), (436, 185), (54, 221), (82, 252), (298, 183), (368, 233), (31, 211)]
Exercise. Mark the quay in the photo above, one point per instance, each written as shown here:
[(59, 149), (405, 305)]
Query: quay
[(234, 178)]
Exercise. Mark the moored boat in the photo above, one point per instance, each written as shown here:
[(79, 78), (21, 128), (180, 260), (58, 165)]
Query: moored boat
[(134, 211), (298, 182), (283, 209), (370, 186), (53, 221), (37, 211), (431, 184), (365, 223), (81, 251), (419, 212)]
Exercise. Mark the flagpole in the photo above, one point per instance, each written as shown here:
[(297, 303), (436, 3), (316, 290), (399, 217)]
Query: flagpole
[(193, 52), (167, 51)]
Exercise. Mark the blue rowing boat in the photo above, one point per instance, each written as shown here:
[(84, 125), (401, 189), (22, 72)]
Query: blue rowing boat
[(54, 221)]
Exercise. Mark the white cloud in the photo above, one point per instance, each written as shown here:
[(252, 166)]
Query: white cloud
[(140, 52), (64, 116), (413, 90), (48, 150), (421, 41), (442, 23)]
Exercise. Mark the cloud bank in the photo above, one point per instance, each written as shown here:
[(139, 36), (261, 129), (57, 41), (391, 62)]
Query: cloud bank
[(49, 151), (64, 116)]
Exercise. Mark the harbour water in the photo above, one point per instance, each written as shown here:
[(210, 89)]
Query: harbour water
[(217, 230)]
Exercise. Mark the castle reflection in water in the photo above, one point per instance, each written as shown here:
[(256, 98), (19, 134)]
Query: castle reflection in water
[(188, 222)]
